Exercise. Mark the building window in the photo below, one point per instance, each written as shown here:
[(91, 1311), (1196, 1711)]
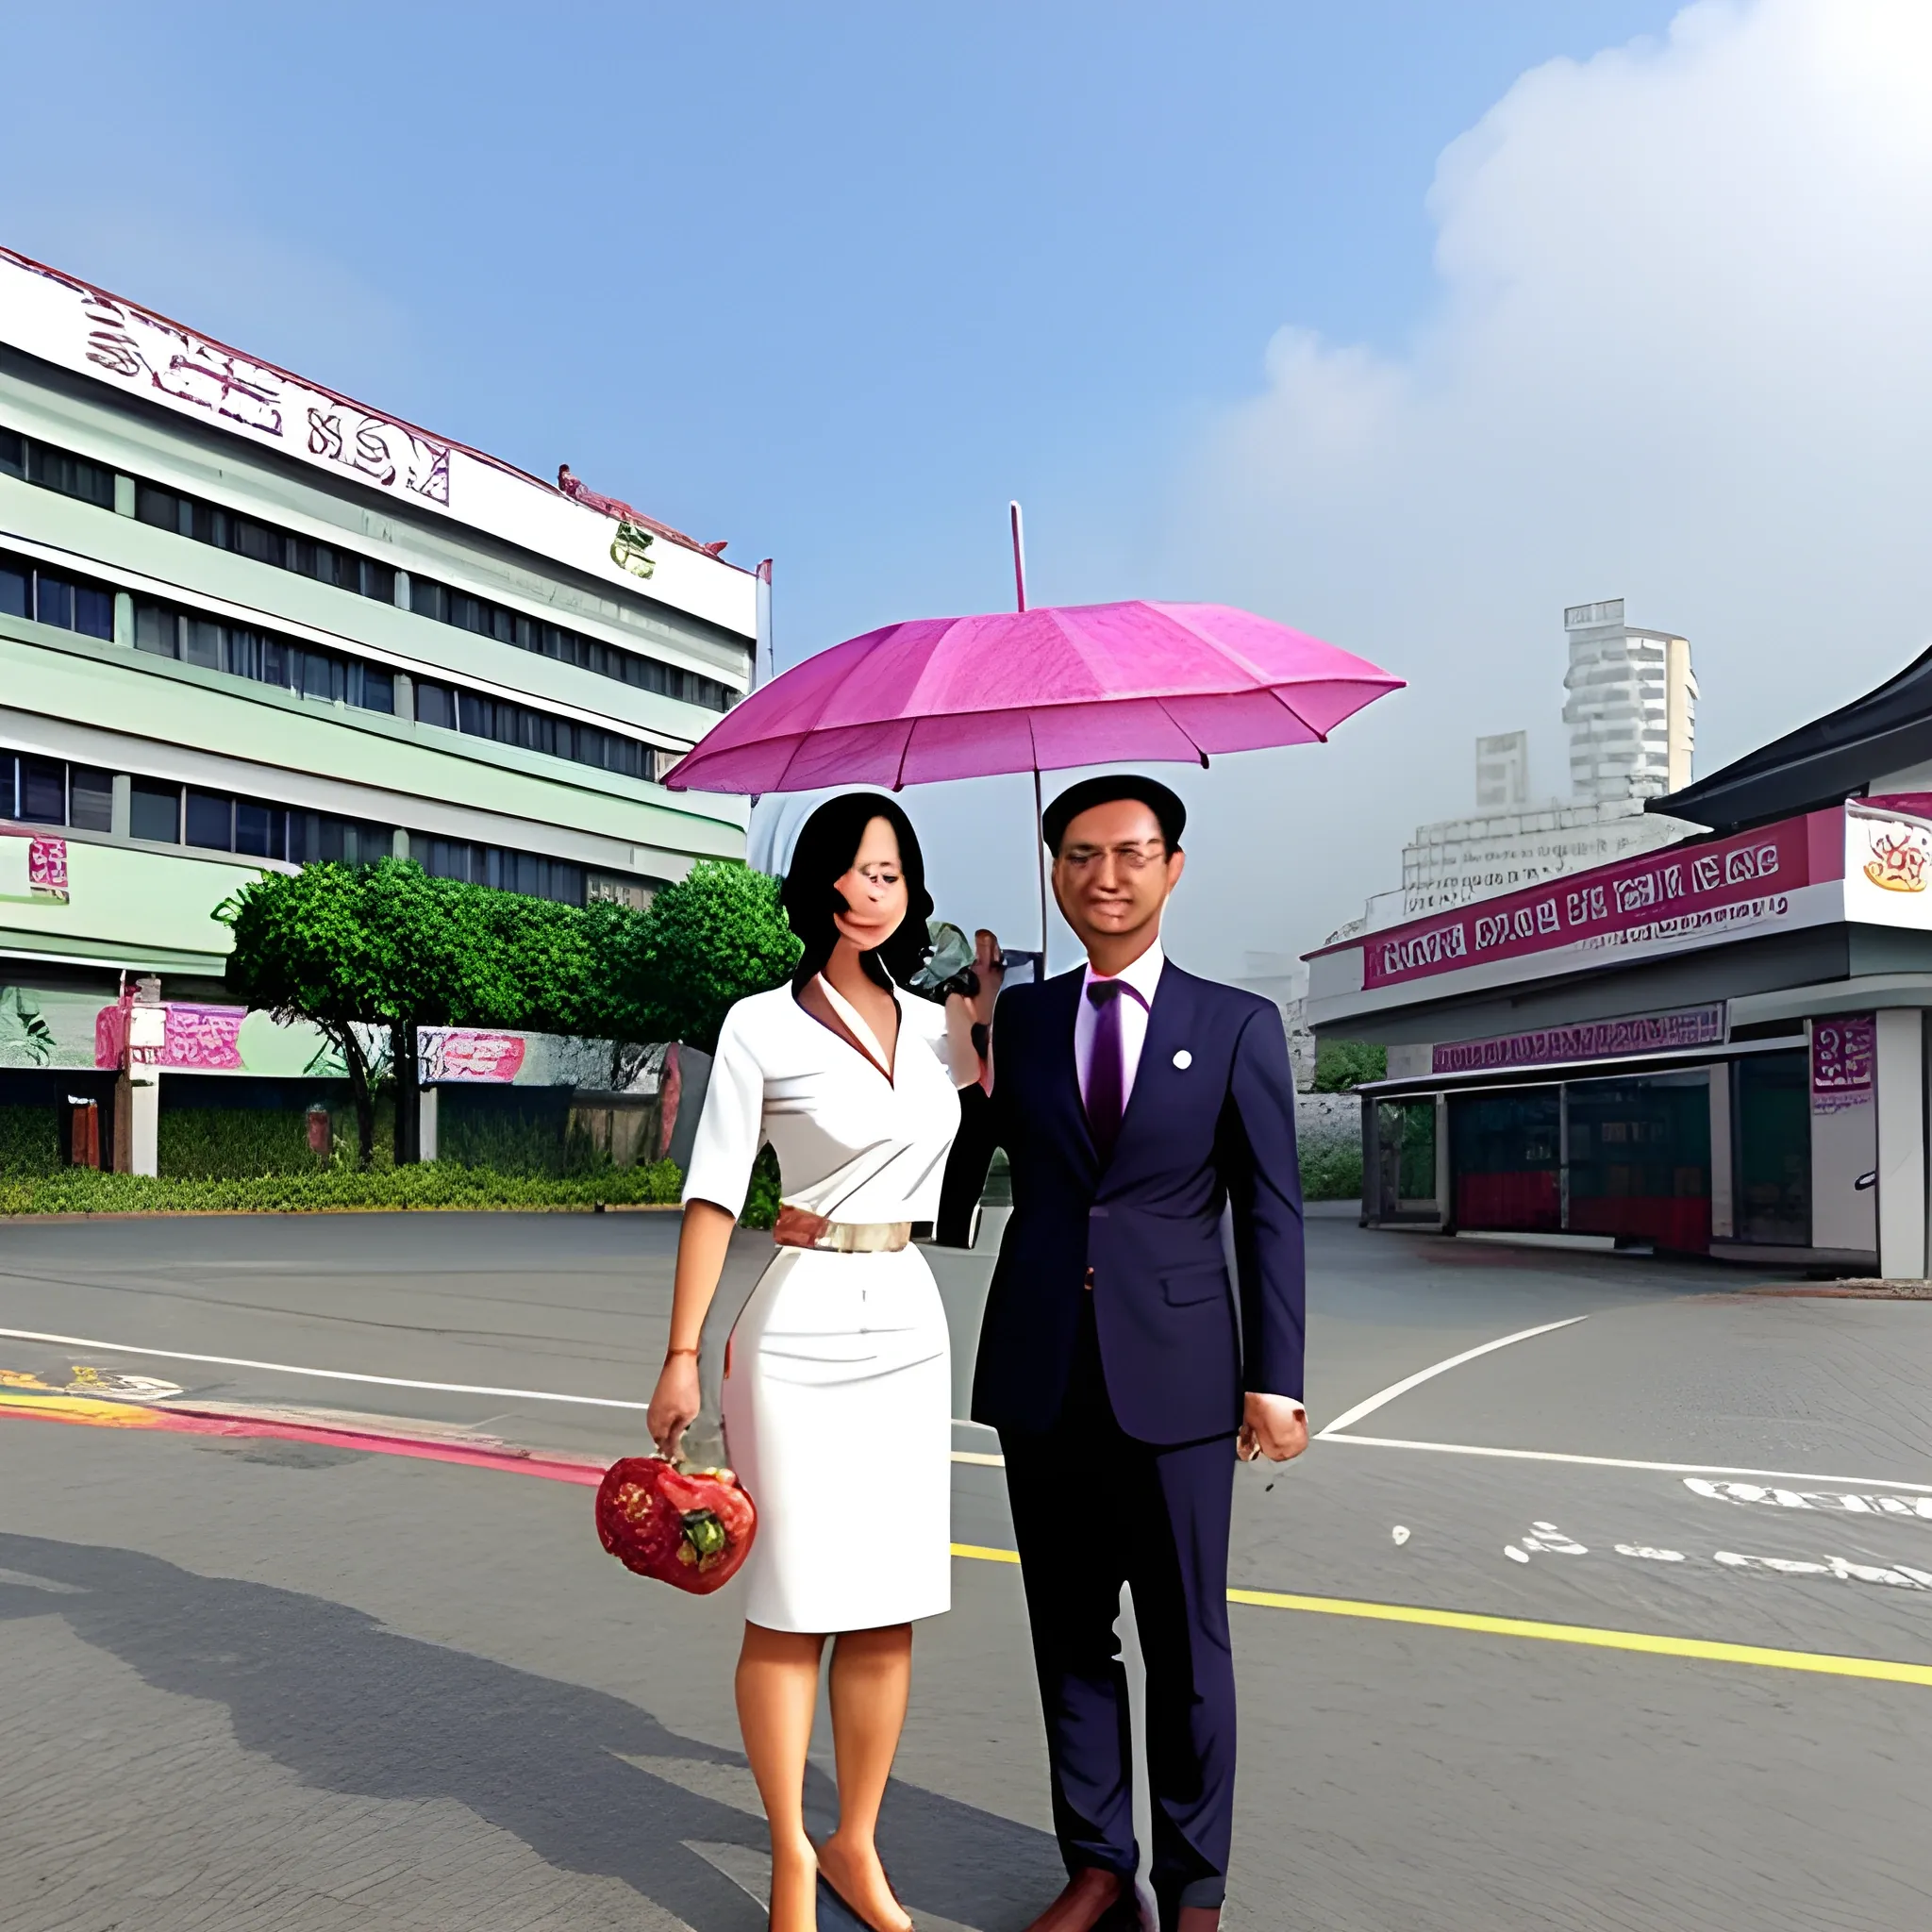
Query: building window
[(44, 792), (263, 659), (45, 596), (508, 870), (54, 469), (155, 812), (260, 543), (327, 563), (503, 723), (320, 836), (484, 619)]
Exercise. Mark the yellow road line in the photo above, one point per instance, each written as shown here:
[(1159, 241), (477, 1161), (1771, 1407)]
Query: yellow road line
[(1881, 1669), (80, 1408)]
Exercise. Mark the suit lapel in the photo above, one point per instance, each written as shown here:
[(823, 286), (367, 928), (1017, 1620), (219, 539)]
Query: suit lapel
[(1061, 1065)]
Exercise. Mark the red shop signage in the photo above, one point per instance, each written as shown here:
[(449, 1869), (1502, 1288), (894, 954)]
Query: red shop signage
[(1745, 879)]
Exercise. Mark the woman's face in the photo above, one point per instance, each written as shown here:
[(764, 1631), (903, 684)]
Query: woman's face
[(874, 890)]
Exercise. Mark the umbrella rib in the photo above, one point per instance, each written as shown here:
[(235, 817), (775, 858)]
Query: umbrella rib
[(1160, 705)]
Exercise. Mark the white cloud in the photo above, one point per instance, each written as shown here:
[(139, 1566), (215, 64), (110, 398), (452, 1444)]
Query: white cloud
[(1680, 355)]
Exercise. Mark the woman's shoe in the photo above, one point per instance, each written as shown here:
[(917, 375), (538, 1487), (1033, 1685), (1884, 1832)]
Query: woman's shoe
[(846, 1905)]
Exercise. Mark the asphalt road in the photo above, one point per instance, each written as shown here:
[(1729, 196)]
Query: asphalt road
[(284, 1684)]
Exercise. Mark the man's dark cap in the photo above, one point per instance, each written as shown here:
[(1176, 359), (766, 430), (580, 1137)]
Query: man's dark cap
[(1165, 806)]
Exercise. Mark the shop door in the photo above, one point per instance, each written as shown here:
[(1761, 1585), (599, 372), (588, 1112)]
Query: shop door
[(1504, 1160), (1405, 1177), (1639, 1159), (1770, 1111)]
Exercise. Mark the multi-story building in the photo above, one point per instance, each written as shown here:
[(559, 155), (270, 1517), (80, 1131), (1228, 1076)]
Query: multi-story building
[(246, 623)]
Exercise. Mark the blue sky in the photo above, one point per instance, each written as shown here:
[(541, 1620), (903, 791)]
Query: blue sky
[(836, 282)]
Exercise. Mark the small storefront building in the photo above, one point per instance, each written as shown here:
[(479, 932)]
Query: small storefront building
[(1721, 1047)]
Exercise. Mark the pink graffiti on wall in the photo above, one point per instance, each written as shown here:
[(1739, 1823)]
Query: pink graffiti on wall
[(199, 1039), (454, 1053), (46, 868)]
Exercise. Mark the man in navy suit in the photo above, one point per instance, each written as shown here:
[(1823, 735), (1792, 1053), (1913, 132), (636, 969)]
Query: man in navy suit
[(1122, 1370)]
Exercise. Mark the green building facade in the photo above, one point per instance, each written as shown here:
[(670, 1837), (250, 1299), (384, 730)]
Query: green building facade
[(246, 623)]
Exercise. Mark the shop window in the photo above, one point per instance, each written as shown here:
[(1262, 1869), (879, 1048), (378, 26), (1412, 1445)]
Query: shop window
[(155, 812), (1639, 1159), (1506, 1159)]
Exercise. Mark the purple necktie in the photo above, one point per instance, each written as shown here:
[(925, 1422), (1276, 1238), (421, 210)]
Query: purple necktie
[(1104, 1104)]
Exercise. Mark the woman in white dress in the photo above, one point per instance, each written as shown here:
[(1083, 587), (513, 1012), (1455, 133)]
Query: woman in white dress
[(837, 1380)]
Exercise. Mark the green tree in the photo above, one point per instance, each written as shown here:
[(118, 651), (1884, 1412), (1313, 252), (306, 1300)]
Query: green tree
[(386, 946), (715, 937), (302, 950)]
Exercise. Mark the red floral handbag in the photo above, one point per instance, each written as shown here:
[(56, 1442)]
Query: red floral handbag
[(690, 1528)]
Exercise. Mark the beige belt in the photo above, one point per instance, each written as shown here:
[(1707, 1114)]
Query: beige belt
[(798, 1227)]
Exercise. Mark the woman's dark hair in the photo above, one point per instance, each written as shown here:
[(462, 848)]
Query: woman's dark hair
[(827, 843)]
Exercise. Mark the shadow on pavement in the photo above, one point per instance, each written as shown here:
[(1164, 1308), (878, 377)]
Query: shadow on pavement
[(353, 1707)]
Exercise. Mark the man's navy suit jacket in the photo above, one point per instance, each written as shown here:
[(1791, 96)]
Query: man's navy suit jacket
[(1216, 1131)]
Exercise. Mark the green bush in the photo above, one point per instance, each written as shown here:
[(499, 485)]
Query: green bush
[(1343, 1064), (220, 1144), (29, 1139), (1332, 1171), (434, 1184), (532, 1140)]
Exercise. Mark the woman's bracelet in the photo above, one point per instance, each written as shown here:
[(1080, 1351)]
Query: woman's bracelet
[(669, 1352)]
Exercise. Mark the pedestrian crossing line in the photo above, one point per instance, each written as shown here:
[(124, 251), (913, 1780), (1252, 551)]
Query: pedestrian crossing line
[(1699, 1649)]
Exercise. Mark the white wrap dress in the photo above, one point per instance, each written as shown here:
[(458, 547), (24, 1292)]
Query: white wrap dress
[(837, 1377)]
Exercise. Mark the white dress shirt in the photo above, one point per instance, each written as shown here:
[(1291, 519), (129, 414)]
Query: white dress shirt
[(1139, 978)]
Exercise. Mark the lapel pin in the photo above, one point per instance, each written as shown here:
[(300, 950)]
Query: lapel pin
[(1184, 1059)]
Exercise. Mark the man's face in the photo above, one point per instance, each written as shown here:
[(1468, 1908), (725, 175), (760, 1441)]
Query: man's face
[(1113, 870)]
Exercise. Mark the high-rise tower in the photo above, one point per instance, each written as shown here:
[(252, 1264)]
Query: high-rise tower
[(1632, 709)]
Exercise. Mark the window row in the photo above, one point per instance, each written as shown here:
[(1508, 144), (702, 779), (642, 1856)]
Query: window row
[(262, 657), (428, 598), (54, 469), (504, 723), (47, 791), (224, 530), (528, 873), (49, 596)]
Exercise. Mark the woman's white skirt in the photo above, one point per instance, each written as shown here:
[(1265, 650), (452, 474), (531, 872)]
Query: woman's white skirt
[(837, 1419)]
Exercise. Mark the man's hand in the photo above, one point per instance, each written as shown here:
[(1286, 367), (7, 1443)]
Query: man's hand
[(1273, 1426)]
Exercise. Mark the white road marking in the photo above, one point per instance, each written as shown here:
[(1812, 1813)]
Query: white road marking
[(1784, 1475), (1917, 1508), (108, 1383), (233, 1361), (1645, 1550), (1421, 1376), (1399, 1535)]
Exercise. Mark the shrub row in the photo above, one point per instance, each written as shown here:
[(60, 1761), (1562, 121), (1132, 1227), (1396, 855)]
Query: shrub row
[(434, 1184), (1332, 1173)]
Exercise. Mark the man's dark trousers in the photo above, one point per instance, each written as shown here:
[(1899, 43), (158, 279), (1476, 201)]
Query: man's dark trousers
[(1093, 1509)]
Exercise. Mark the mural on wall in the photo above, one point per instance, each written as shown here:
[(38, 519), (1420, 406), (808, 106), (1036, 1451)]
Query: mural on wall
[(1843, 1053)]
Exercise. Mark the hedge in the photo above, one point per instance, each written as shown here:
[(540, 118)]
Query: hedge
[(434, 1184), (29, 1139), (1332, 1173)]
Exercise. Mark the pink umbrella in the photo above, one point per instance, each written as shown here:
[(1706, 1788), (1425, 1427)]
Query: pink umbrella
[(1032, 690)]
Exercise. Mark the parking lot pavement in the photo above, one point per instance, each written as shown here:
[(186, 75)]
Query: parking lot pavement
[(289, 1684)]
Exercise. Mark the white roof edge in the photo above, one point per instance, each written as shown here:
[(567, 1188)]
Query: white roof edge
[(79, 326)]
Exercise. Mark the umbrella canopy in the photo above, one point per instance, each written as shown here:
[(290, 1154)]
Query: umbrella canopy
[(1032, 690)]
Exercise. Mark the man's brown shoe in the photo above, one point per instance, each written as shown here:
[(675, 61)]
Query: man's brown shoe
[(1094, 1900)]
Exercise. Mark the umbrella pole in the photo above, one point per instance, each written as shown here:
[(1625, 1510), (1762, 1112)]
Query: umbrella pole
[(1039, 854)]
